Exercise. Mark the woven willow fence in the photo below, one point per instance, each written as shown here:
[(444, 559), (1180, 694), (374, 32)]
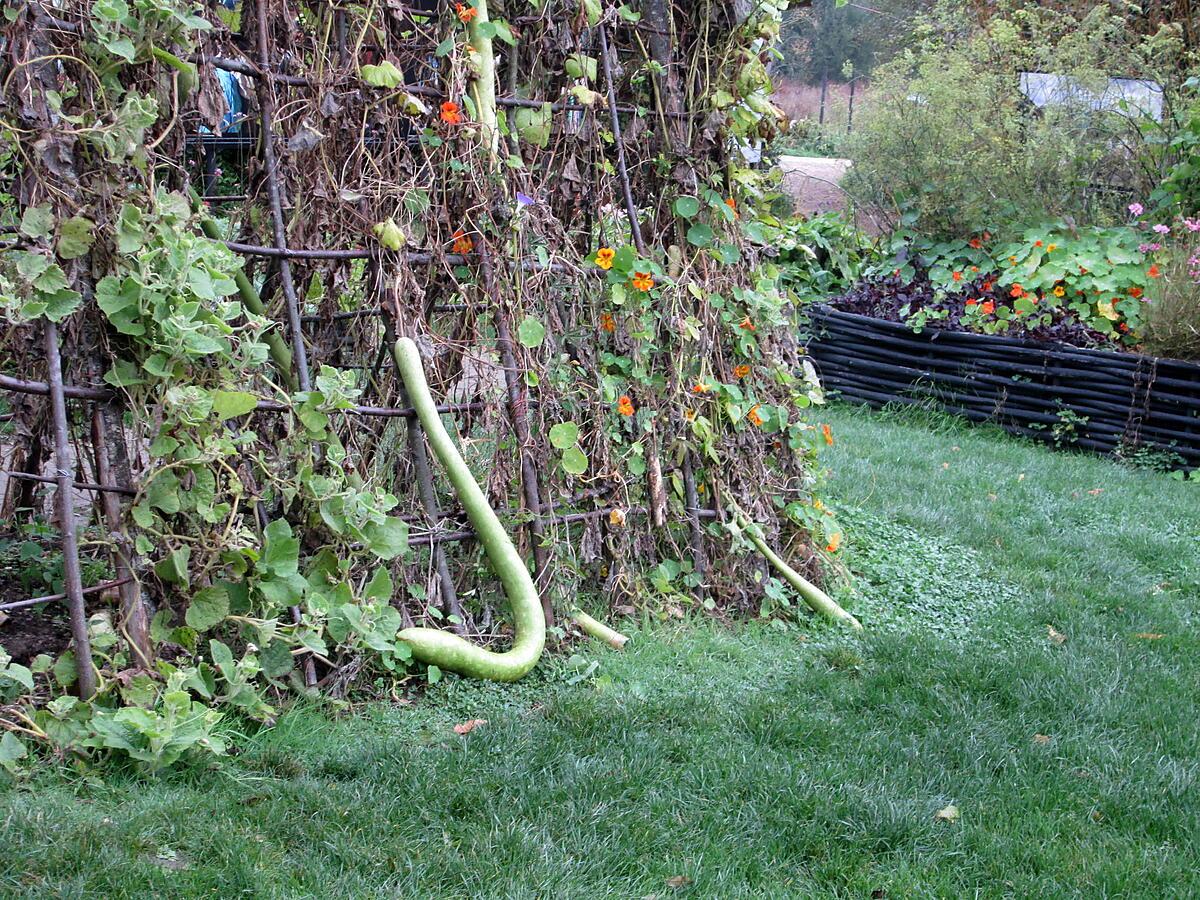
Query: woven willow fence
[(221, 220)]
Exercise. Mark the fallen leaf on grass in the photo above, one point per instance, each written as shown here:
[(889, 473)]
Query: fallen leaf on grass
[(993, 497), (678, 881), (1096, 492), (469, 726), (1041, 738), (948, 814), (1149, 636), (1057, 638)]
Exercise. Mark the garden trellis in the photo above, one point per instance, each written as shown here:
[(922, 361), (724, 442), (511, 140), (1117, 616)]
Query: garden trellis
[(542, 195)]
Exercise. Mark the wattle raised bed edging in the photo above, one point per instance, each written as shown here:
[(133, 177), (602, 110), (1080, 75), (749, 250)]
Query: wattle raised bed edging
[(1103, 401)]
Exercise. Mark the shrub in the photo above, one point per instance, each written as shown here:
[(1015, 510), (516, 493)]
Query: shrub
[(1173, 314), (951, 138)]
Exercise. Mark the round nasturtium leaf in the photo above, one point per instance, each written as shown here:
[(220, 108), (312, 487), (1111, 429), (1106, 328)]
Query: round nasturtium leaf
[(564, 435), (688, 207), (574, 461), (531, 332)]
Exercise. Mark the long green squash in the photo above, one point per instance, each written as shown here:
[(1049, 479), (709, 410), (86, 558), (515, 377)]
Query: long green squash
[(819, 601), (441, 648)]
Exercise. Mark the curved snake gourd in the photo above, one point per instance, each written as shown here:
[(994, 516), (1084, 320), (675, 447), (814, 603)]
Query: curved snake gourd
[(440, 648), (819, 601)]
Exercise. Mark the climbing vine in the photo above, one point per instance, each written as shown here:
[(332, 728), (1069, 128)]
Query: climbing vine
[(547, 198)]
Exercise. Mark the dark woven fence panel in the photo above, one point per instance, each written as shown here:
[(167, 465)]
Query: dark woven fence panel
[(1093, 399)]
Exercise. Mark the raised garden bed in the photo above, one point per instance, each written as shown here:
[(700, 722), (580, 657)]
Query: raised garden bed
[(1098, 400)]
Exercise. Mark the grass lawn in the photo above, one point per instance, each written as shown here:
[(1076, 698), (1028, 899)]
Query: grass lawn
[(753, 762)]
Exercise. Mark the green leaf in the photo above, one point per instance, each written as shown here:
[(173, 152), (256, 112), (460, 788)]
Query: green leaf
[(163, 492), (564, 435), (75, 237), (130, 231), (384, 75), (574, 461), (275, 659), (208, 608), (173, 568), (433, 673), (38, 221), (281, 551), (231, 404), (389, 234), (388, 539), (688, 207), (380, 585), (700, 235), (11, 751), (531, 332)]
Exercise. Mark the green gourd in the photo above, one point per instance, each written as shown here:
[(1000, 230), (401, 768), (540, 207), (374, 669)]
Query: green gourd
[(441, 648)]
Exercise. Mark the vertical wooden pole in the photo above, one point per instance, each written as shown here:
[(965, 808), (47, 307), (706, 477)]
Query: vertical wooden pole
[(615, 122), (692, 499), (64, 471)]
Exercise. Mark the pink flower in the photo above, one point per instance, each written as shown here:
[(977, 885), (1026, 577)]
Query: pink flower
[(1162, 229), (1149, 248), (1136, 208), (1192, 224)]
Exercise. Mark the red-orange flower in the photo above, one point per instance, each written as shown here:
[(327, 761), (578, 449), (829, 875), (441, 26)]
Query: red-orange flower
[(741, 371), (987, 285), (1037, 243), (732, 204), (987, 308), (607, 323), (451, 114), (834, 542), (957, 276), (1136, 293), (755, 419), (465, 13), (747, 325), (642, 281), (1155, 271), (462, 242), (976, 243), (972, 303), (625, 405), (1017, 291), (700, 388), (828, 434)]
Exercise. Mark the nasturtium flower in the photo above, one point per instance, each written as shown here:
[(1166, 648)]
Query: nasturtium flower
[(732, 204), (607, 323), (451, 114), (700, 388), (1136, 293), (1154, 271), (642, 281), (1017, 291), (625, 405), (604, 257), (975, 243), (465, 13), (741, 371), (834, 542), (747, 325), (755, 419), (1060, 291), (1037, 243), (827, 432), (462, 242), (957, 276), (972, 303), (987, 308)]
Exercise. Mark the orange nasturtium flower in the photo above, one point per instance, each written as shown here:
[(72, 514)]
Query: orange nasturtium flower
[(732, 204), (741, 371), (755, 419), (957, 276), (975, 243), (689, 415), (1050, 248), (451, 114), (747, 325), (642, 281), (462, 242), (625, 405), (987, 308), (828, 433), (1155, 271), (972, 303), (1017, 291), (835, 541), (1012, 260), (465, 13), (604, 257), (607, 323), (1037, 243), (700, 388), (1135, 293), (1060, 291)]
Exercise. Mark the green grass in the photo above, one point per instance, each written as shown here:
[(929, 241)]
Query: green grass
[(754, 762)]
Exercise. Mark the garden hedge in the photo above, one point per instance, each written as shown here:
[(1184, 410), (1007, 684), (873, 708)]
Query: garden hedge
[(1097, 400)]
